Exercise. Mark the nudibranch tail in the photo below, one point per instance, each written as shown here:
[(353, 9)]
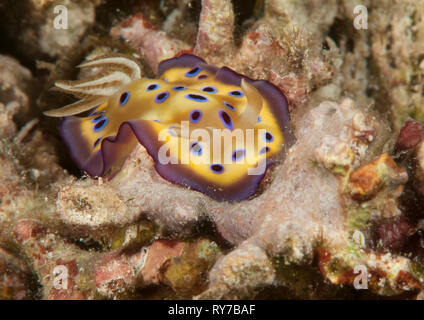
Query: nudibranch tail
[(207, 128)]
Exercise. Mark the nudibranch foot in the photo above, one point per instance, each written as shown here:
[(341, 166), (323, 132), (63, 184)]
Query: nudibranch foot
[(207, 128)]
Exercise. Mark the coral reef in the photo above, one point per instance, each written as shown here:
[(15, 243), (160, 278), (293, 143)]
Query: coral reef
[(345, 204), (44, 32), (396, 34)]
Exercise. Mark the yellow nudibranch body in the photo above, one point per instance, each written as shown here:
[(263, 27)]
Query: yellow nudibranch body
[(210, 129)]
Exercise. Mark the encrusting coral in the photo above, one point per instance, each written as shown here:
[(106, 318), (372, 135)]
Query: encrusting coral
[(320, 214)]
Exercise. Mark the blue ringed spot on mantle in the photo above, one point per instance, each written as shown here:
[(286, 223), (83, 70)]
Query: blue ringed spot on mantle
[(217, 168), (236, 93), (152, 87), (229, 106), (100, 125), (268, 137), (171, 132), (264, 150), (99, 117), (196, 148), (124, 98), (238, 154), (195, 115), (161, 97), (226, 119), (209, 89), (179, 88), (193, 72), (97, 142), (196, 97)]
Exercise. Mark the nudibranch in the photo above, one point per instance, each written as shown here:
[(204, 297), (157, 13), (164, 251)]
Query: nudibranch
[(206, 128)]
